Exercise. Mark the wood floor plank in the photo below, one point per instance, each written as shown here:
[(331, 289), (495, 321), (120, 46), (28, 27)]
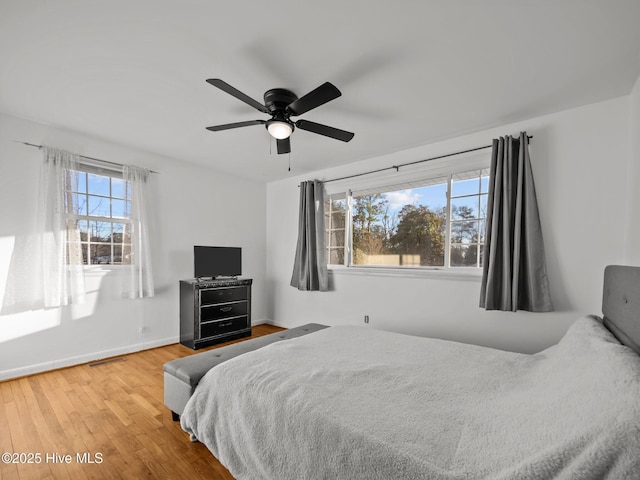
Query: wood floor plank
[(20, 426), (6, 445), (113, 412), (40, 413)]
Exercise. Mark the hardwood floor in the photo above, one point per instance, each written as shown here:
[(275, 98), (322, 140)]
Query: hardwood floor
[(106, 421)]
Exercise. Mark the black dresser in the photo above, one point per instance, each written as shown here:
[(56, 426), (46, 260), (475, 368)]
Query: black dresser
[(214, 311)]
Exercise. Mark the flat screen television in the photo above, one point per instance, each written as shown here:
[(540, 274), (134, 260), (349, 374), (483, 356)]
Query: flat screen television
[(217, 261)]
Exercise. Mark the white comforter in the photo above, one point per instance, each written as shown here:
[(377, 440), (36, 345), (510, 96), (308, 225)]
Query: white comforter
[(357, 403)]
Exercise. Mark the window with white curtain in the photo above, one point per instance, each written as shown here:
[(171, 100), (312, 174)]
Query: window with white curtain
[(427, 219), (88, 214)]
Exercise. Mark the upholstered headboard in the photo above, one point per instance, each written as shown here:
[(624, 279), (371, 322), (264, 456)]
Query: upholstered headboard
[(621, 304)]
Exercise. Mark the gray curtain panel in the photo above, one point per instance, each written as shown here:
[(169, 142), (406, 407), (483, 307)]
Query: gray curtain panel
[(514, 271), (310, 266)]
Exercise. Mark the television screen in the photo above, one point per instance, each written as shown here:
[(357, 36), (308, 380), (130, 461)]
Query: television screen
[(217, 261)]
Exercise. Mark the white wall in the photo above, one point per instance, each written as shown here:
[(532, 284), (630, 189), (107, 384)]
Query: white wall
[(580, 160), (194, 205), (633, 220)]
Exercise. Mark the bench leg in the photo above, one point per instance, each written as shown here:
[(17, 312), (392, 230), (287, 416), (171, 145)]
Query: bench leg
[(175, 416)]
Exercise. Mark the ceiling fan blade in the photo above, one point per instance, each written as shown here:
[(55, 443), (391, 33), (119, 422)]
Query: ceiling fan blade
[(321, 95), (225, 87), (228, 126), (324, 130), (284, 145)]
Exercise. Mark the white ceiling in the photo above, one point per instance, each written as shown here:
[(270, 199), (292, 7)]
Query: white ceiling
[(411, 72)]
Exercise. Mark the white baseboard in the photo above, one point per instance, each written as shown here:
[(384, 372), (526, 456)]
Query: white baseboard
[(259, 321), (276, 324), (79, 360)]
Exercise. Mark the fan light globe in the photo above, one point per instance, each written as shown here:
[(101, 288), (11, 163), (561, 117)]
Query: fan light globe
[(279, 130)]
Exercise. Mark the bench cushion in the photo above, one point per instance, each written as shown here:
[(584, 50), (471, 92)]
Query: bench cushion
[(192, 368)]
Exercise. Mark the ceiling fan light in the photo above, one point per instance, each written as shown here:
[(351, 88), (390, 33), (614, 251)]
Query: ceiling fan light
[(279, 130)]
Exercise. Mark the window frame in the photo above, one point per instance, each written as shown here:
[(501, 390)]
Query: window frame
[(88, 168), (412, 175)]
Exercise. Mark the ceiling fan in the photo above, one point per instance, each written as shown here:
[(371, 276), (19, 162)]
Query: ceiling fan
[(283, 104)]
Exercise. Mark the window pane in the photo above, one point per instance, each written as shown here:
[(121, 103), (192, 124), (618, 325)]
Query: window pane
[(120, 208), (338, 219), (100, 253), (100, 231), (433, 195), (464, 232), (485, 183), (335, 238), (98, 184), (465, 187), (464, 207), (118, 188), (99, 207), (464, 255), (336, 256), (336, 208)]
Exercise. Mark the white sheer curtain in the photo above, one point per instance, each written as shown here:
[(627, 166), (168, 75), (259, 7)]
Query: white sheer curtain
[(63, 273), (46, 268), (138, 281)]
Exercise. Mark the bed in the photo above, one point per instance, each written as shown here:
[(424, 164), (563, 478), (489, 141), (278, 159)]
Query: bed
[(358, 403)]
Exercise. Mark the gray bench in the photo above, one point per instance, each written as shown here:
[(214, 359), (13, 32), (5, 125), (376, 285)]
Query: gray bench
[(181, 376)]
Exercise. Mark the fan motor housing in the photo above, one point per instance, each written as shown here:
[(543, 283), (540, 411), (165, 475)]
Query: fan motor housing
[(277, 99)]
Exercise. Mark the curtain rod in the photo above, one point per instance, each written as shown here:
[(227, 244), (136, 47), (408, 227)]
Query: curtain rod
[(82, 156), (397, 167)]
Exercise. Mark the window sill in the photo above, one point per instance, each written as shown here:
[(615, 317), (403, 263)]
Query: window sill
[(102, 268), (469, 274)]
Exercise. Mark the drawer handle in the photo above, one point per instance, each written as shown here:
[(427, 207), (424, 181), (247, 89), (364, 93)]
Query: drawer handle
[(226, 309), (226, 324)]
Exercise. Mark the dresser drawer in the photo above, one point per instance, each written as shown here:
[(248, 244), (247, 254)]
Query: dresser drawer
[(222, 295), (223, 310), (212, 329)]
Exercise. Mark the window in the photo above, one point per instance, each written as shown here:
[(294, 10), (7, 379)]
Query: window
[(98, 206), (335, 208), (436, 222), (468, 213)]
